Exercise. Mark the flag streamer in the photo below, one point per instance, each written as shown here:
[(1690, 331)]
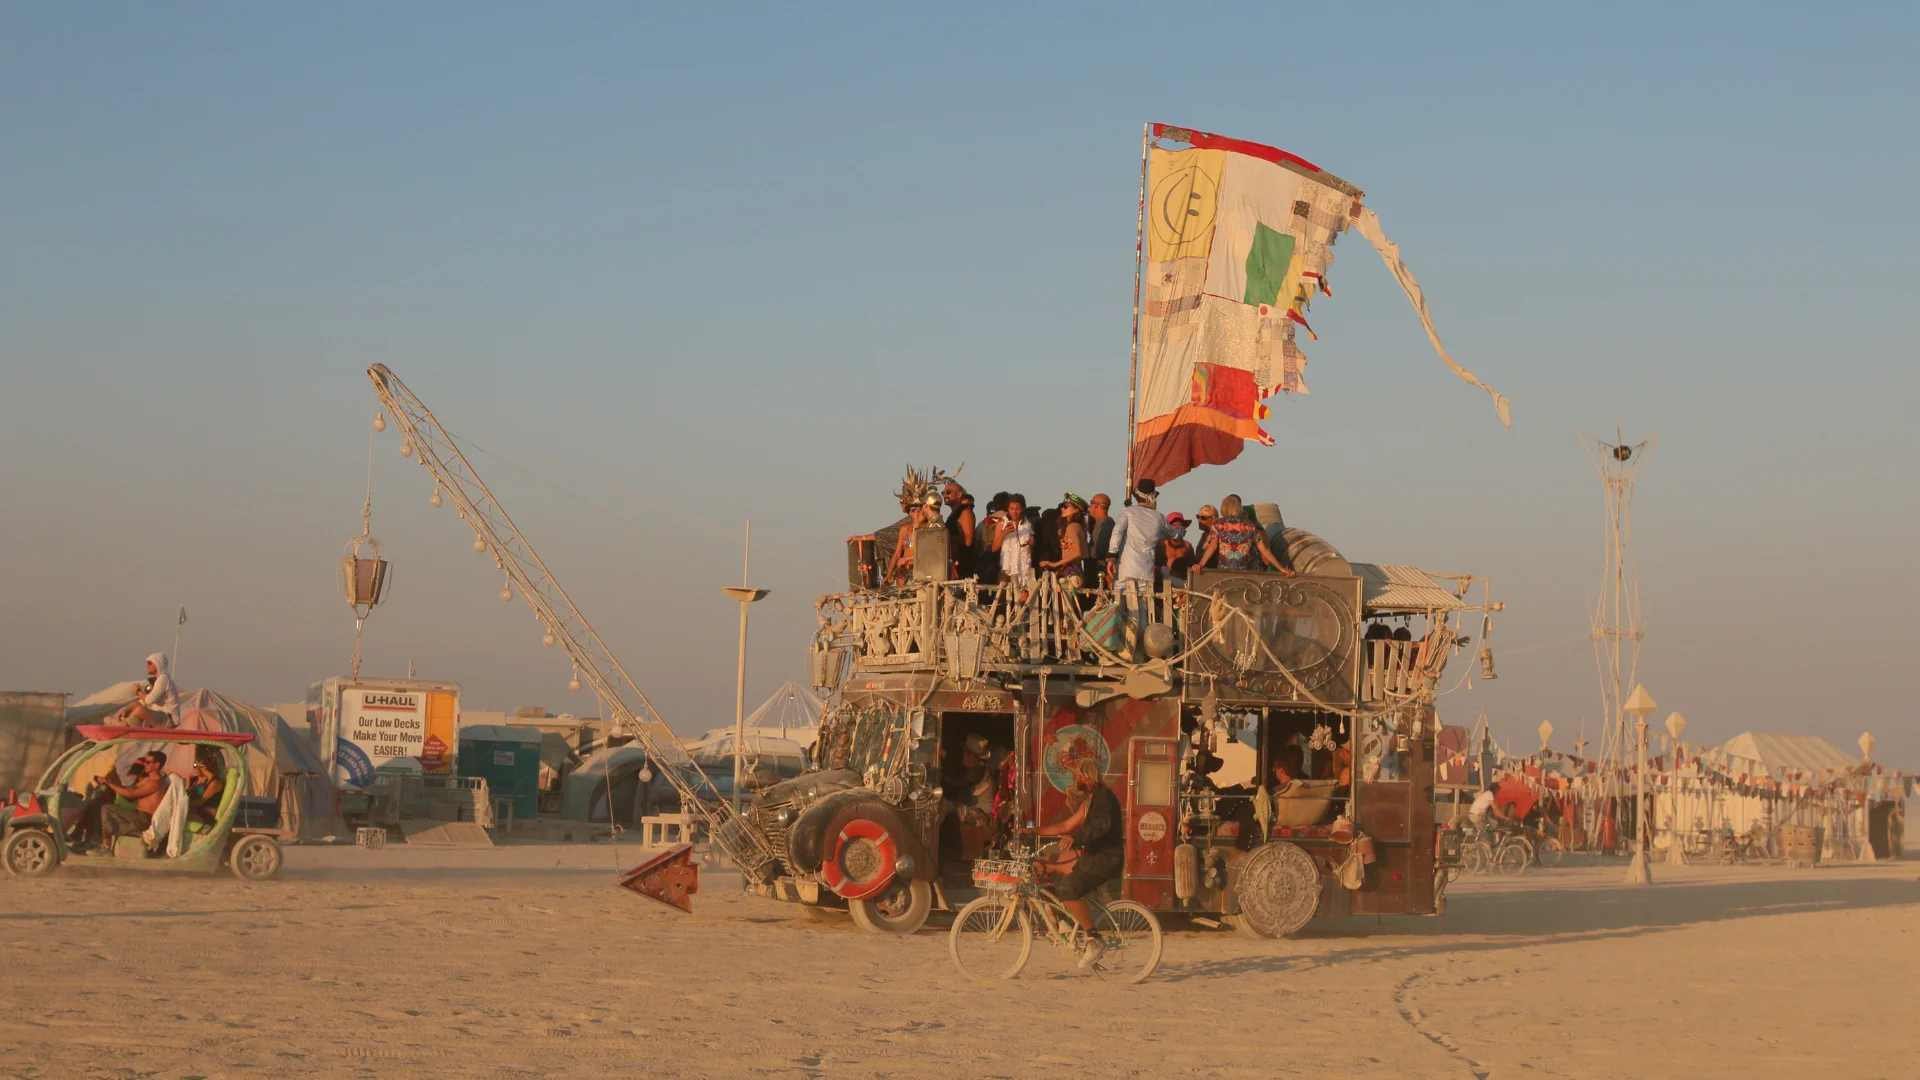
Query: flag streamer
[(1236, 240)]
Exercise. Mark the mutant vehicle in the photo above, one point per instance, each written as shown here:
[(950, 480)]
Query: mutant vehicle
[(964, 710), (35, 840)]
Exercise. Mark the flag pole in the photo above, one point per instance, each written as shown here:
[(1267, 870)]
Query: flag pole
[(1139, 268)]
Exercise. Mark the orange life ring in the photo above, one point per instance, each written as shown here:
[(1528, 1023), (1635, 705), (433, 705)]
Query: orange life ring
[(833, 870)]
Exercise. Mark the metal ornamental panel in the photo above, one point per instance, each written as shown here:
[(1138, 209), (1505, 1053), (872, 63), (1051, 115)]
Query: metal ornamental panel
[(1272, 626)]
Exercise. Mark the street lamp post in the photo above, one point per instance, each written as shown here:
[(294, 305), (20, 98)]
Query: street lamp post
[(1641, 705), (746, 594), (1676, 850)]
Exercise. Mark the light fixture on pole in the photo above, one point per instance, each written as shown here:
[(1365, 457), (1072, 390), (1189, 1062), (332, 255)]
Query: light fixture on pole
[(746, 594), (1546, 732), (1866, 745), (1676, 851), (1641, 705)]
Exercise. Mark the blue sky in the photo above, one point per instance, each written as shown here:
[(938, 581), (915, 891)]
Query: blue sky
[(677, 268)]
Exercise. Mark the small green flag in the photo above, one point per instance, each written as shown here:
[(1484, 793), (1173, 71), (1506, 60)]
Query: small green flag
[(183, 617)]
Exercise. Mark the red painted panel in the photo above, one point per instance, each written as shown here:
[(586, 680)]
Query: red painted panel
[(1150, 815)]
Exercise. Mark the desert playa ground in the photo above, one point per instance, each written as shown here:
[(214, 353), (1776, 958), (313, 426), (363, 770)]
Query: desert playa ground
[(527, 962)]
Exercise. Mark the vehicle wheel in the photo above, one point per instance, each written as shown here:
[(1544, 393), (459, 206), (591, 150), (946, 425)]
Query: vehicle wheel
[(1550, 852), (30, 853), (1477, 857), (1513, 858), (900, 908), (1245, 928), (255, 858), (1131, 934), (991, 938)]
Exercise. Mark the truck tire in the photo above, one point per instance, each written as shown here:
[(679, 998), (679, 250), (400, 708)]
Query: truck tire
[(899, 909)]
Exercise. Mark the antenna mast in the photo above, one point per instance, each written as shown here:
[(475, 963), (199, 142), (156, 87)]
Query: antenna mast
[(1616, 627)]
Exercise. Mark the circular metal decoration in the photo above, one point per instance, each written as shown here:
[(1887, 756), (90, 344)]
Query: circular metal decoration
[(1152, 826), (1279, 889), (1071, 745), (1307, 626)]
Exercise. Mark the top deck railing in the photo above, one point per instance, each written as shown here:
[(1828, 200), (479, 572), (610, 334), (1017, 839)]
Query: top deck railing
[(964, 630)]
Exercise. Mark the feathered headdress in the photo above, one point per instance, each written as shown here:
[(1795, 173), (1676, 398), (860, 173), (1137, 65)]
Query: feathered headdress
[(924, 487)]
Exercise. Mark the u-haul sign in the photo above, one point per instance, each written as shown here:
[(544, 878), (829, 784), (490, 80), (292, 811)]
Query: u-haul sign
[(385, 724)]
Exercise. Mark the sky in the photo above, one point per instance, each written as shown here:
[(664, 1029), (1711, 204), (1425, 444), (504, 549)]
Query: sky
[(668, 269)]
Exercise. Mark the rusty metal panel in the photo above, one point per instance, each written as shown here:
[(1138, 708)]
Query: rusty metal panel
[(1389, 886), (1382, 809), (671, 877)]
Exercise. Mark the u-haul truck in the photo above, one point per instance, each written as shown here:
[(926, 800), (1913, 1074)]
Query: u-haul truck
[(361, 724)]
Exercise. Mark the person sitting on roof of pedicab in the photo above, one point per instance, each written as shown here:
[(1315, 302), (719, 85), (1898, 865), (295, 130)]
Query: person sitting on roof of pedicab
[(159, 705)]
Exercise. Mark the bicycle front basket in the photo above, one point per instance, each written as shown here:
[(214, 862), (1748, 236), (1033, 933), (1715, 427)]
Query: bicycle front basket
[(1002, 875)]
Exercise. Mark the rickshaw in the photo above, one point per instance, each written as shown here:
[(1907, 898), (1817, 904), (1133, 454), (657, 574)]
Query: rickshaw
[(35, 841)]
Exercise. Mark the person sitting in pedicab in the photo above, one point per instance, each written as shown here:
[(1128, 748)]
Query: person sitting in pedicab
[(1092, 851), (203, 791), (104, 819)]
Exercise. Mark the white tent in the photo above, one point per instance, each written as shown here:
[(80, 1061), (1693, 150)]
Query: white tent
[(791, 715), (1807, 759)]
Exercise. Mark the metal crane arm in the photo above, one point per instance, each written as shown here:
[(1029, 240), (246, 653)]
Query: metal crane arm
[(632, 713)]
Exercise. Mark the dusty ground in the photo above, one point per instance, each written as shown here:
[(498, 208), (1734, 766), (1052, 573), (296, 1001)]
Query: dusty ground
[(525, 962)]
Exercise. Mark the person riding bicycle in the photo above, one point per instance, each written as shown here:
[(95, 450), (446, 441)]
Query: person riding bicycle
[(1488, 814), (1092, 851)]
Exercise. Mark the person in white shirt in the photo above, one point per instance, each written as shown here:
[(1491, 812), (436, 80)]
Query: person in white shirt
[(1013, 539), (1137, 532), (159, 707), (1486, 810)]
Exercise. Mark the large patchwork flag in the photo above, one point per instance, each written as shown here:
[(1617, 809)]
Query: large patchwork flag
[(1237, 239)]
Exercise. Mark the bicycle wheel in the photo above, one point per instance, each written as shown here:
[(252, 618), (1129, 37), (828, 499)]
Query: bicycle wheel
[(1550, 852), (991, 937), (1131, 934), (1477, 857), (1513, 857)]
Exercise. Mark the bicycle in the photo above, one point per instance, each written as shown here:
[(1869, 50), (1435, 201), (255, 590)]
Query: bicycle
[(992, 936), (1494, 850)]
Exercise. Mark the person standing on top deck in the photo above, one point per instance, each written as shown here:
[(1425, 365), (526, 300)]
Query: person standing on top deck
[(1013, 540), (1176, 555), (1237, 543), (1137, 532), (921, 516), (960, 530), (1099, 536), (1072, 561)]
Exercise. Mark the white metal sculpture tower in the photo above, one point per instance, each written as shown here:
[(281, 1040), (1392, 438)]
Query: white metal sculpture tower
[(1616, 628)]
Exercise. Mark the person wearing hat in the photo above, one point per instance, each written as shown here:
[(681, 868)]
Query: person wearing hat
[(1176, 555), (1099, 536), (922, 514), (1137, 532), (1072, 533)]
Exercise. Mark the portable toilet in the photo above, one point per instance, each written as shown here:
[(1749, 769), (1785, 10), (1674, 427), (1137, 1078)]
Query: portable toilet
[(508, 758)]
